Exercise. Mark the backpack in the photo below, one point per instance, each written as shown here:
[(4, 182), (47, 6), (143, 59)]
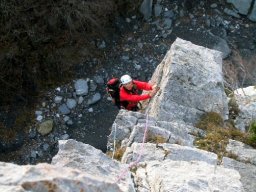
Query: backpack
[(113, 88)]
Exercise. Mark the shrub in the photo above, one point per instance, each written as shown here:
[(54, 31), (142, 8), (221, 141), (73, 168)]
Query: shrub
[(119, 152), (251, 139), (156, 139), (233, 108), (210, 119), (217, 134)]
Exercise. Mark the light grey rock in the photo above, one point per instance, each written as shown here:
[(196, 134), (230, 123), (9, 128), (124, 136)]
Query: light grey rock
[(193, 176), (99, 80), (46, 147), (138, 132), (123, 125), (63, 109), (252, 15), (64, 137), (169, 14), (191, 84), (167, 23), (93, 86), (90, 110), (231, 13), (241, 5), (80, 100), (70, 122), (45, 177), (33, 154), (58, 99), (71, 103), (214, 5), (146, 9), (92, 161), (45, 127), (140, 45), (243, 152), (38, 113), (81, 87), (246, 101), (247, 172), (181, 132), (32, 133), (102, 45), (166, 151), (39, 118), (66, 118), (95, 98), (125, 58), (157, 10), (221, 46)]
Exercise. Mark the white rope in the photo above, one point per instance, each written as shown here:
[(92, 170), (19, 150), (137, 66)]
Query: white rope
[(134, 163), (114, 142)]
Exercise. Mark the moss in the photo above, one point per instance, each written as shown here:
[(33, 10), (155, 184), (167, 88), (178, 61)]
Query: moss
[(231, 155), (233, 108), (156, 139), (252, 128), (210, 119), (119, 152), (251, 138), (228, 91)]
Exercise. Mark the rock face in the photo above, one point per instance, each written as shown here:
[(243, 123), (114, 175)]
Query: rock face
[(246, 100), (191, 82), (243, 7), (87, 159), (243, 152), (159, 152), (247, 172), (45, 177)]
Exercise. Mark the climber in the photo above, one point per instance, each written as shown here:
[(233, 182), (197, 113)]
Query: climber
[(129, 92)]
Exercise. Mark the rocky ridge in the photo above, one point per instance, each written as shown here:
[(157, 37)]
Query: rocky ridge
[(136, 48), (172, 166)]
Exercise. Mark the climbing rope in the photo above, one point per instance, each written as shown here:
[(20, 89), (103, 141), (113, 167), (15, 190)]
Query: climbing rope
[(114, 142), (134, 163)]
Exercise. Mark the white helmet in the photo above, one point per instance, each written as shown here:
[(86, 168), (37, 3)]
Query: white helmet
[(126, 79)]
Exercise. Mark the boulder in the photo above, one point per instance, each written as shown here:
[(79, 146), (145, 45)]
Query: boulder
[(246, 101), (45, 127), (45, 177), (92, 161), (191, 84)]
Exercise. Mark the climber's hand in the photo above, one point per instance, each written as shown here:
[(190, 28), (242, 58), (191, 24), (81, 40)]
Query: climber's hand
[(153, 92)]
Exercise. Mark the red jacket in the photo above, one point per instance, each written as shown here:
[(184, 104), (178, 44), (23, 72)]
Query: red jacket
[(133, 97)]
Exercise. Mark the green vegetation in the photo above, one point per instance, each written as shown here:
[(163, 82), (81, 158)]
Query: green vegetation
[(218, 133), (233, 108), (251, 140)]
